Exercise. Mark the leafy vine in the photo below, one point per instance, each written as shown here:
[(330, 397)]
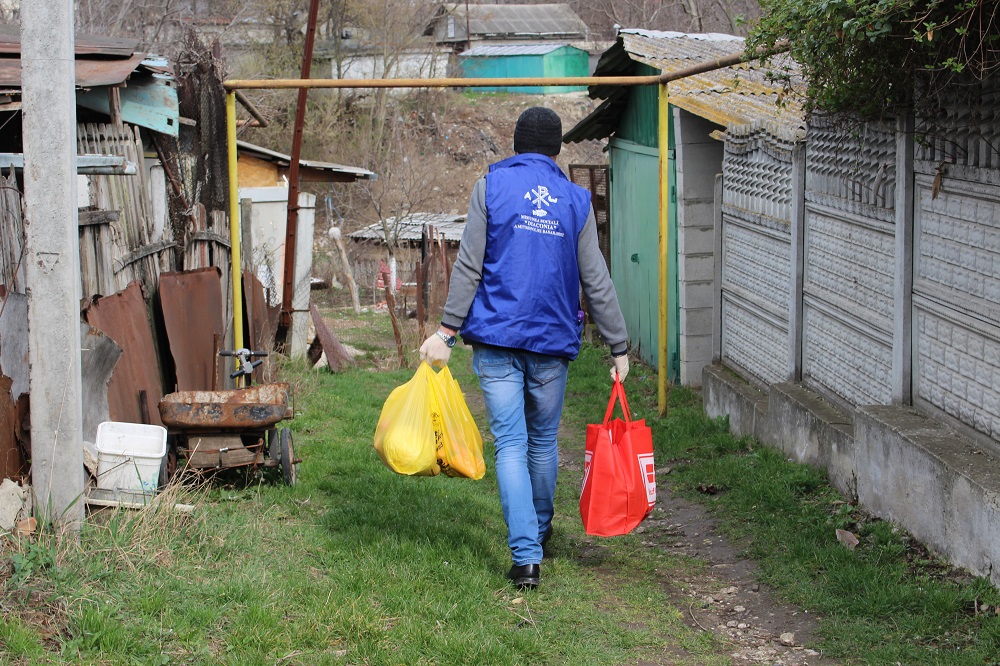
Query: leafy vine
[(876, 57)]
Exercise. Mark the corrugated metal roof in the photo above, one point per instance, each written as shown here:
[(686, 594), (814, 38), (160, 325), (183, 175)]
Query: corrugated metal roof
[(108, 47), (411, 227), (547, 19), (284, 160), (100, 61), (510, 50), (736, 97)]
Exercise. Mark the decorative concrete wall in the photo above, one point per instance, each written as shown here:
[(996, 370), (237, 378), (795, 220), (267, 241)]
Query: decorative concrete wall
[(849, 261), (881, 291), (956, 267), (754, 241)]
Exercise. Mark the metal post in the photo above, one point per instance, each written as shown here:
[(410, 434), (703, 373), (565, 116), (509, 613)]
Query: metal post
[(235, 235), (292, 220), (53, 260), (663, 347)]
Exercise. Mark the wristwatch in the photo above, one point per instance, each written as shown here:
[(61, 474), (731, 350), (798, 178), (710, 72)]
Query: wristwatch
[(448, 339)]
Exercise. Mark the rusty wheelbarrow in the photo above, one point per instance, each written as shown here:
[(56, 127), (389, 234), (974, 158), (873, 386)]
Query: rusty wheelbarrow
[(233, 428)]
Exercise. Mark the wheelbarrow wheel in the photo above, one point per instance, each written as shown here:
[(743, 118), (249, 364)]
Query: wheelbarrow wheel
[(288, 470)]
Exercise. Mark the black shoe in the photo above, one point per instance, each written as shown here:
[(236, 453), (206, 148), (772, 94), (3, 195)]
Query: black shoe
[(525, 577), (545, 539)]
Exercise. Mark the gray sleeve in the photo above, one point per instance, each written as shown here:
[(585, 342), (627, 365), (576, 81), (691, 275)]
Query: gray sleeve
[(468, 269), (602, 301)]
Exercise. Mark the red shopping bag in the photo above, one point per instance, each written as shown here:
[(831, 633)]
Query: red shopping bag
[(619, 480)]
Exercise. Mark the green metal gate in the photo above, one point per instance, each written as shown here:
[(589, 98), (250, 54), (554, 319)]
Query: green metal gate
[(635, 249)]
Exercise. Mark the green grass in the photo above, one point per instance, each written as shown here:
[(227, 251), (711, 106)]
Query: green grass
[(886, 602), (354, 565), (357, 565)]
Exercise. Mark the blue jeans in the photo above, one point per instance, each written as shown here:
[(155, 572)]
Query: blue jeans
[(524, 395)]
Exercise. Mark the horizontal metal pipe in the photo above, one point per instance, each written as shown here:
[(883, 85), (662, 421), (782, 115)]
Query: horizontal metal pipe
[(701, 68), (246, 84)]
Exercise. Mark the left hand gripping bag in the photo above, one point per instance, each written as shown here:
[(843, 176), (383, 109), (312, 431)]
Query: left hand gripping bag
[(619, 481), (404, 436)]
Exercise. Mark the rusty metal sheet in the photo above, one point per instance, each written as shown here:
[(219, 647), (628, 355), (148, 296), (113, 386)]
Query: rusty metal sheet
[(14, 342), (336, 355), (192, 312), (13, 464), (124, 318), (262, 322), (222, 451), (89, 73), (253, 407), (99, 355)]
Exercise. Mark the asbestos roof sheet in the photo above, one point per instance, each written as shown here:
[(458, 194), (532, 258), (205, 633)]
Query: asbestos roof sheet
[(356, 173), (736, 97), (547, 19), (411, 227), (510, 50)]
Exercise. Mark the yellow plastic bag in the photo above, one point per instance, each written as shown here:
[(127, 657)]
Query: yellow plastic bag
[(404, 437), (426, 428), (460, 447)]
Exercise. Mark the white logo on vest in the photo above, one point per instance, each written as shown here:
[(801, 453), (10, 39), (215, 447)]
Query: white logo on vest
[(540, 197)]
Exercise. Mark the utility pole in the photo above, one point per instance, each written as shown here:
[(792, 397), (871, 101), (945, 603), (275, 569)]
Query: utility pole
[(52, 261)]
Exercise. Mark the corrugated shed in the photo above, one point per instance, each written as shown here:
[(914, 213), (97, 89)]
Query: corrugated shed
[(498, 50), (410, 228), (547, 20), (282, 160), (517, 61), (741, 98)]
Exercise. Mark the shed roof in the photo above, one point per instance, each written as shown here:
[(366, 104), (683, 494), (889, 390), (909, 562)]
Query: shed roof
[(333, 172), (411, 227), (100, 61), (550, 20), (741, 97), (497, 50)]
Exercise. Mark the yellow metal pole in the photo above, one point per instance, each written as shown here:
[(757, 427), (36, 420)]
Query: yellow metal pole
[(234, 223), (663, 139)]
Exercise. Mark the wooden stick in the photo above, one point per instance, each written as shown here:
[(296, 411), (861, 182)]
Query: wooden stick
[(421, 279), (390, 303), (349, 276)]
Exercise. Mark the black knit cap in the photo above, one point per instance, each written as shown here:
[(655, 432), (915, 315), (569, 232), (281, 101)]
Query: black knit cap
[(538, 130)]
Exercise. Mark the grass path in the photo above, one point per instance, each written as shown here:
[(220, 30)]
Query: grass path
[(357, 565)]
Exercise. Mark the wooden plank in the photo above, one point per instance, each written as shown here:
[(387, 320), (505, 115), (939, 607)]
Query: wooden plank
[(143, 252), (95, 217), (336, 355), (211, 237)]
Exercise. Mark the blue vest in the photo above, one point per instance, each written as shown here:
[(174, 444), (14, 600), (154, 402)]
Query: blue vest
[(529, 296)]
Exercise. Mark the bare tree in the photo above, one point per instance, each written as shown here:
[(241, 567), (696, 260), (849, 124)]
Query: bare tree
[(159, 25), (680, 15)]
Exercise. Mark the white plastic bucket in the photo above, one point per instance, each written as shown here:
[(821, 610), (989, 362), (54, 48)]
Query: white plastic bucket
[(129, 455)]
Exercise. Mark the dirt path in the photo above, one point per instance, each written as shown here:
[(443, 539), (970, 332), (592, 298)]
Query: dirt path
[(724, 597)]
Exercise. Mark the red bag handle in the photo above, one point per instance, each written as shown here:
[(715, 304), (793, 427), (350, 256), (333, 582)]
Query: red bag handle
[(618, 392)]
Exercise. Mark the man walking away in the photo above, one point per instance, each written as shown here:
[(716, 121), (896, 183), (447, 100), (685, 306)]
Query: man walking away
[(530, 242)]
